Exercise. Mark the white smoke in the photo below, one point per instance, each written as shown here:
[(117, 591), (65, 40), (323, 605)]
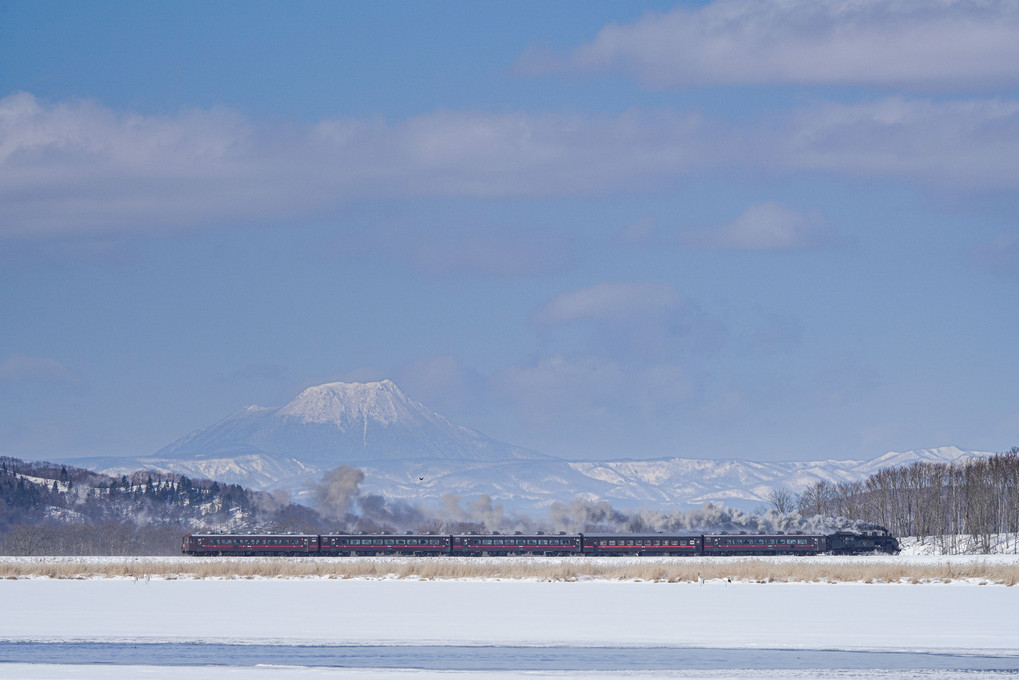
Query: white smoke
[(339, 498)]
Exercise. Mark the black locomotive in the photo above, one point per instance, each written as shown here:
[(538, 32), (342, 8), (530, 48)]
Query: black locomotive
[(615, 545)]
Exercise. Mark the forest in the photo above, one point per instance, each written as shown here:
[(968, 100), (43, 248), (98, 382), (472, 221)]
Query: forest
[(971, 505)]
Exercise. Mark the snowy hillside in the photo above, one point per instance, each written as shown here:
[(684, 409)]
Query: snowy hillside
[(409, 452), (655, 484), (530, 486), (740, 482)]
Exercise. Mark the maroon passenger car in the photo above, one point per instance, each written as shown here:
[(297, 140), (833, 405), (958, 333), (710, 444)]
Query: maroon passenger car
[(252, 544), (384, 544), (764, 544), (497, 544), (642, 544)]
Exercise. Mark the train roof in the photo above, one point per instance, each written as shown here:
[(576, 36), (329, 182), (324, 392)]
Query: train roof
[(514, 535), (648, 534), (224, 535), (747, 534)]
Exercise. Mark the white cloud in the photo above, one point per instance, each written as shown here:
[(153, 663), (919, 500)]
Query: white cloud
[(80, 168), (643, 322), (487, 155), (767, 225), (913, 44), (950, 145), (613, 302)]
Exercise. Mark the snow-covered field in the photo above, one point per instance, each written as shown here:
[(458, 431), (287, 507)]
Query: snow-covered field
[(595, 613), (589, 618), (960, 618)]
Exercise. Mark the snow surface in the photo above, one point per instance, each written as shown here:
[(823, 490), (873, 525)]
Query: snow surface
[(345, 404), (963, 617), (957, 617), (103, 672)]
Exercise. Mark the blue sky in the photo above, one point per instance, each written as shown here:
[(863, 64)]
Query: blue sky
[(763, 230)]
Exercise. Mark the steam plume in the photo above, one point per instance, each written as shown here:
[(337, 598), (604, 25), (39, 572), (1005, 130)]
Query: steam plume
[(339, 497), (338, 489)]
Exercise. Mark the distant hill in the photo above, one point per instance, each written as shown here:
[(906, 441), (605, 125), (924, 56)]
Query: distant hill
[(409, 452), (55, 509)]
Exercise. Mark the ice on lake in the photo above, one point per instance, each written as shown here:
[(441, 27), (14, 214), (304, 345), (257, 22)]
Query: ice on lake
[(505, 629)]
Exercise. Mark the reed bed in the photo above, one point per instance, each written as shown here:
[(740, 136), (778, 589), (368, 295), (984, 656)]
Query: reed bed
[(680, 570)]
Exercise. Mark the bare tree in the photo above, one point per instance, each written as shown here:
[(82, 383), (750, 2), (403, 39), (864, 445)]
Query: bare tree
[(817, 499), (783, 500), (25, 540)]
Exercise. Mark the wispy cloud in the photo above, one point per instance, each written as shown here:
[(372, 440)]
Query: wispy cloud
[(78, 167), (951, 145), (486, 155), (932, 45), (767, 225), (642, 321), (615, 303)]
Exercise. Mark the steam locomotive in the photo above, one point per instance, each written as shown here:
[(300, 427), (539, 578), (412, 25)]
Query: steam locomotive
[(477, 545)]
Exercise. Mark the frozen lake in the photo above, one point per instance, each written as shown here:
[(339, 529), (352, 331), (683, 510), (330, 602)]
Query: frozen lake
[(494, 658), (391, 628), (83, 672)]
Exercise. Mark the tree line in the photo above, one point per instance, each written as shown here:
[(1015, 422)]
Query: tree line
[(54, 509), (961, 506)]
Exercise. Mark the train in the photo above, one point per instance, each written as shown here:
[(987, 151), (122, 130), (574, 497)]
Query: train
[(877, 540)]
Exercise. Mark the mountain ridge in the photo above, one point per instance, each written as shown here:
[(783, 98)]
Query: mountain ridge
[(409, 452), (335, 423)]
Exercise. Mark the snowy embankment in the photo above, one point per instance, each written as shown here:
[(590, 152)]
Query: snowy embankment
[(994, 544), (990, 569)]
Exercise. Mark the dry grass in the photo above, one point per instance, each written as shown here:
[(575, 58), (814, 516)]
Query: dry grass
[(680, 570)]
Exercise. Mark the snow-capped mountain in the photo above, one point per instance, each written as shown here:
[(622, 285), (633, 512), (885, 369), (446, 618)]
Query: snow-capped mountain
[(411, 453), (341, 423), (740, 482)]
